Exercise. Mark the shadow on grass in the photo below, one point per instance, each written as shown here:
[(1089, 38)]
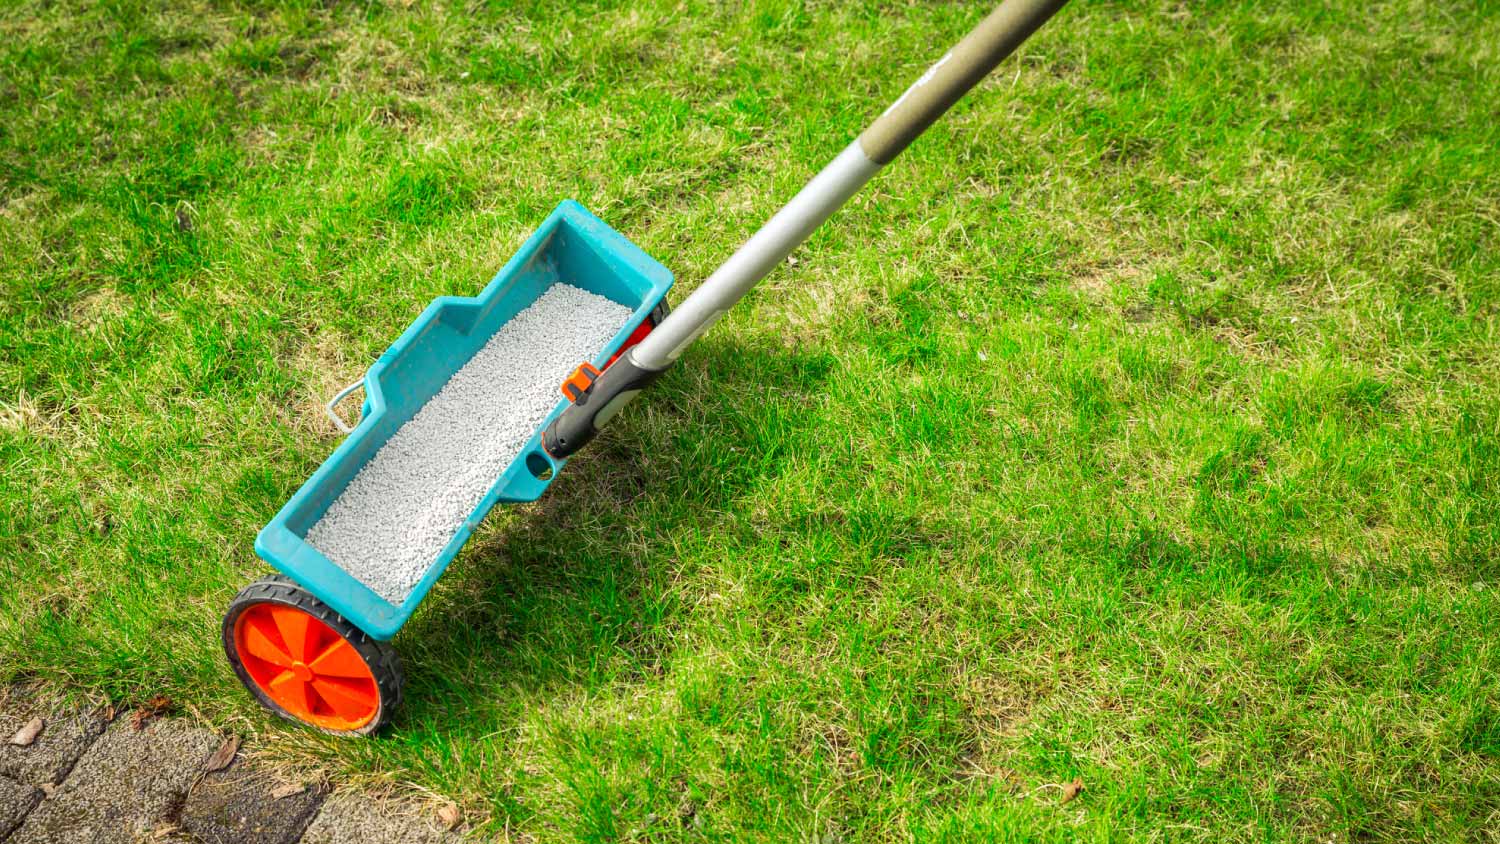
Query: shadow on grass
[(574, 591)]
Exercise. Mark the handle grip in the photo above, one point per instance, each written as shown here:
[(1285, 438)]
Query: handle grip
[(580, 421)]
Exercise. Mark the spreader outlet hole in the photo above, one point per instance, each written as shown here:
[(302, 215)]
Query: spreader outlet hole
[(540, 466)]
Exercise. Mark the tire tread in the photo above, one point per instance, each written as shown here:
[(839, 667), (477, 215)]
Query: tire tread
[(380, 656)]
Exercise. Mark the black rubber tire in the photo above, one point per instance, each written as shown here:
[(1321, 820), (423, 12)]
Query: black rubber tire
[(381, 657)]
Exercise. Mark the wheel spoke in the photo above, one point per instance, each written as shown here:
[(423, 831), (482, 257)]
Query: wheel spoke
[(261, 646), (296, 630), (349, 702), (291, 693), (340, 660)]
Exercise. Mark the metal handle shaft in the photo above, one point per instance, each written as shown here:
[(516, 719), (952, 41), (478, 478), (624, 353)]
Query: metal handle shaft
[(996, 37)]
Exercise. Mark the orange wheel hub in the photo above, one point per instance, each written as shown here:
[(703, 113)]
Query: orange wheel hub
[(306, 667)]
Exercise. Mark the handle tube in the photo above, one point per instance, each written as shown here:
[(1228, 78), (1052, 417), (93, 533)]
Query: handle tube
[(994, 38), (988, 44), (816, 202)]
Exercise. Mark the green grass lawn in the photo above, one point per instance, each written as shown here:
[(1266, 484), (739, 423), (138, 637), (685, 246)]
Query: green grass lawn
[(1140, 425)]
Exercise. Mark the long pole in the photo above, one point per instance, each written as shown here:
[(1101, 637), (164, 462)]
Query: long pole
[(996, 37)]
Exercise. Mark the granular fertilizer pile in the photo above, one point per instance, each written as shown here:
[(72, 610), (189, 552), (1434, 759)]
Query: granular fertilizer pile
[(396, 515)]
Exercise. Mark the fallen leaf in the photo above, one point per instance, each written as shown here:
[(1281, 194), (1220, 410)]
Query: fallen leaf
[(109, 712), (224, 755), (1070, 791), (154, 707), (449, 815), (287, 790), (27, 734), (48, 788)]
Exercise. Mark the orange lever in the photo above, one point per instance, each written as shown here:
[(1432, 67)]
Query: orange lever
[(574, 386)]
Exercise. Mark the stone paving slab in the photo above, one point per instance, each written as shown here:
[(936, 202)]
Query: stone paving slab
[(16, 799), (356, 819), (85, 779), (238, 806), (124, 787), (65, 736)]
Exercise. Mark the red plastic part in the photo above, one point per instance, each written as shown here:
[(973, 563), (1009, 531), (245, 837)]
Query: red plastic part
[(636, 336), (307, 668)]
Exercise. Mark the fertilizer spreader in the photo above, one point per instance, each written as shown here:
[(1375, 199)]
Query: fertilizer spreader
[(361, 543)]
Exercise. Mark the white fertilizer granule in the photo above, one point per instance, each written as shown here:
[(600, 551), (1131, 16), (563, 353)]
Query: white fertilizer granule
[(396, 515)]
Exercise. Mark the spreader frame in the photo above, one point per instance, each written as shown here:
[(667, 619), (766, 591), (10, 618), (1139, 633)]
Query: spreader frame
[(571, 246)]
